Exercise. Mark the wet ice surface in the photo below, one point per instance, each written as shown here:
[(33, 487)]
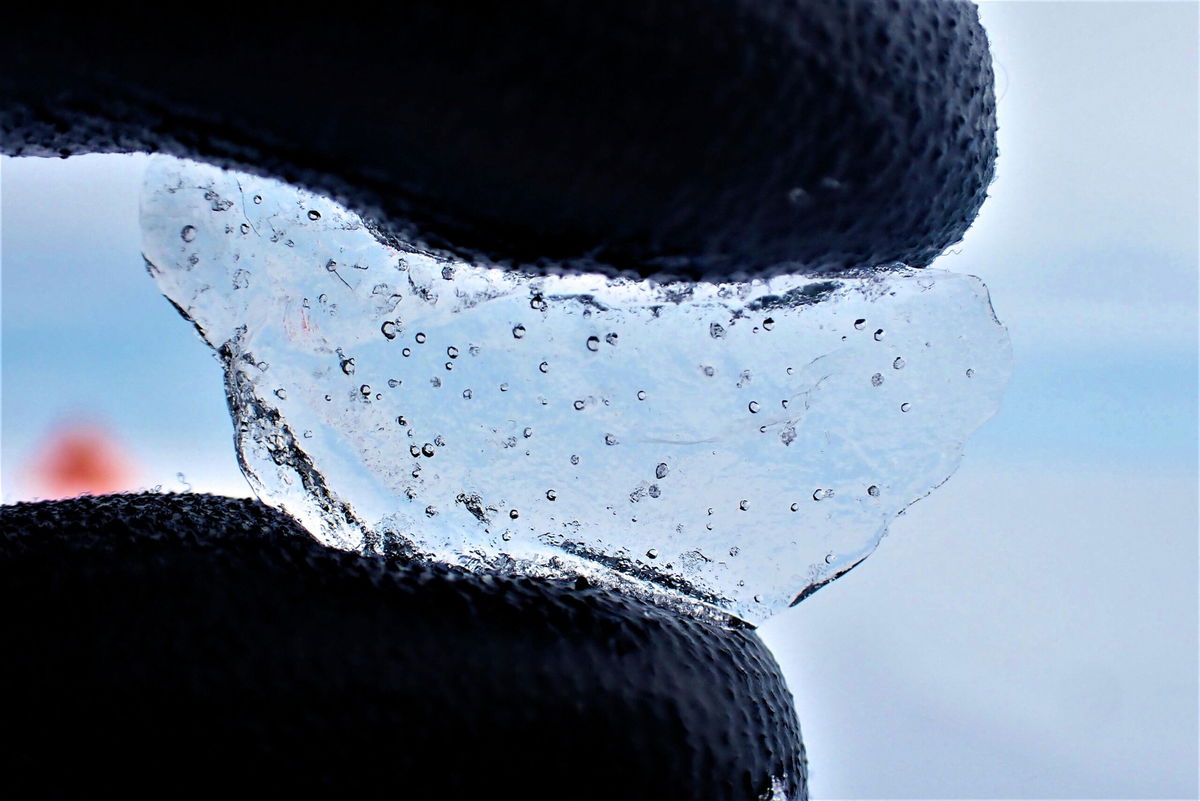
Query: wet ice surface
[(724, 447)]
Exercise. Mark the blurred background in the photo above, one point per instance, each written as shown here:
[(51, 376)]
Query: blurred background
[(1030, 630)]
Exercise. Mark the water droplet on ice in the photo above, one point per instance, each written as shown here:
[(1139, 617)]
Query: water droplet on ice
[(753, 407), (420, 338), (518, 331), (314, 215), (878, 334)]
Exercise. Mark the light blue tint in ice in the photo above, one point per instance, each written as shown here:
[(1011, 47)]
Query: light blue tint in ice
[(716, 446)]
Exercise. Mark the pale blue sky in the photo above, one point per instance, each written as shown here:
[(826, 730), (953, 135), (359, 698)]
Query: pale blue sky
[(1029, 630)]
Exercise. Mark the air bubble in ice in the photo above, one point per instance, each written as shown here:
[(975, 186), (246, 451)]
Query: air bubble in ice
[(353, 485), (898, 363), (187, 233), (660, 472)]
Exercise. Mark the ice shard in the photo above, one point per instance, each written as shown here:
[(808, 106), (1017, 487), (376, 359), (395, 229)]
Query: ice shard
[(722, 448)]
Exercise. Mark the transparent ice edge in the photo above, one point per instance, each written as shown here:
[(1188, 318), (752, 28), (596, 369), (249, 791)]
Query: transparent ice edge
[(724, 449)]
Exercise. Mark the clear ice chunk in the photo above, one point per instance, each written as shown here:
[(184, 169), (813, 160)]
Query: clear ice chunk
[(723, 448)]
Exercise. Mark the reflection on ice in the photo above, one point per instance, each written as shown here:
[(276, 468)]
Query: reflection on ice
[(724, 447)]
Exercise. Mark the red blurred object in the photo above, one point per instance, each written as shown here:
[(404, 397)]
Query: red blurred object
[(80, 459)]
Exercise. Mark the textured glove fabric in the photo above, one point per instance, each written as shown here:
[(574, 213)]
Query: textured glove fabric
[(167, 644), (693, 138)]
